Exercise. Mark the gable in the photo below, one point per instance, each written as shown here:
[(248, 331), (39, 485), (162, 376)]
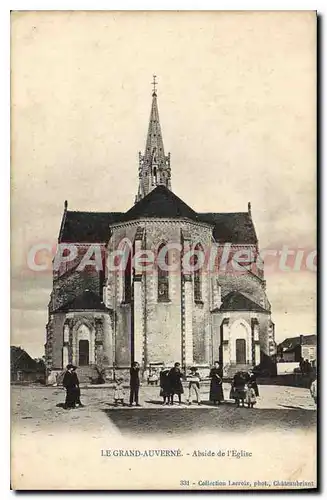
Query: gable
[(236, 301)]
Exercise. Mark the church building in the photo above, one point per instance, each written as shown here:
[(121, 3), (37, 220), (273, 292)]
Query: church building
[(201, 297)]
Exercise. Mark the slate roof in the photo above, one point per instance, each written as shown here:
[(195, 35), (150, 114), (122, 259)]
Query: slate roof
[(235, 227), (93, 227), (291, 342), (87, 227), (160, 202), (84, 302), (236, 301)]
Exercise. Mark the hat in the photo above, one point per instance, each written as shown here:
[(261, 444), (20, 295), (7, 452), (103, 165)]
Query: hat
[(69, 366), (193, 369)]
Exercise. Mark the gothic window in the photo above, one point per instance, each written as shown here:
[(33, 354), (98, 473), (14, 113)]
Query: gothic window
[(128, 280), (197, 276), (163, 274)]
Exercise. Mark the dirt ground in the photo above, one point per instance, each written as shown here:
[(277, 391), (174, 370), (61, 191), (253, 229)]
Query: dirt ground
[(34, 408), (53, 448)]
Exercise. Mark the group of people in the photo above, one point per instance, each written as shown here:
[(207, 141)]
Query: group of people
[(244, 388)]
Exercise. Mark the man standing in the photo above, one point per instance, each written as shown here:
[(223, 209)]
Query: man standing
[(134, 384), (175, 381)]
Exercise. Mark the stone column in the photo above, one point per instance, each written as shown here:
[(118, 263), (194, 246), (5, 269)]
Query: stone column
[(188, 321), (138, 320), (65, 348), (69, 339), (74, 346), (225, 342), (98, 354), (255, 341), (65, 356), (108, 345), (138, 302), (186, 304), (92, 346)]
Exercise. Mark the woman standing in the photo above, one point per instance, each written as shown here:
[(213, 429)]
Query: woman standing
[(175, 375), (71, 384), (165, 390), (216, 385)]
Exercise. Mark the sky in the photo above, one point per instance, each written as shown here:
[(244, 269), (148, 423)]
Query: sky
[(236, 96)]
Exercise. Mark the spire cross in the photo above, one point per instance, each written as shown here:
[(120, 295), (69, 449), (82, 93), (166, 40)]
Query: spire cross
[(154, 83)]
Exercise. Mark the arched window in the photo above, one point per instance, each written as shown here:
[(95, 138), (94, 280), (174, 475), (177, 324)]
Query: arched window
[(163, 274), (197, 276), (128, 279)]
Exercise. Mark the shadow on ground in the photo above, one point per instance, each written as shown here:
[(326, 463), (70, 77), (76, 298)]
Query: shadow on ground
[(225, 418)]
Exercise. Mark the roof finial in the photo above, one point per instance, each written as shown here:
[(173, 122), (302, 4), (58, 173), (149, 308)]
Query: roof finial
[(66, 205), (249, 208), (154, 83)]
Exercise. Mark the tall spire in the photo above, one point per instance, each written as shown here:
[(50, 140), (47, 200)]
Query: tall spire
[(154, 166)]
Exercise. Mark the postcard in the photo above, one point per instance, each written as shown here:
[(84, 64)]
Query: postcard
[(163, 236)]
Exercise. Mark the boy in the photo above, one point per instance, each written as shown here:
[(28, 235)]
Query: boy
[(194, 385)]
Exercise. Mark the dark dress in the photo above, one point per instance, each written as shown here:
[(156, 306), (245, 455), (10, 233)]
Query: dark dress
[(254, 385), (71, 384), (216, 385), (134, 386), (165, 389), (175, 382), (238, 386)]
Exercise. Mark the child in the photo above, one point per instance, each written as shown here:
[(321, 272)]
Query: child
[(194, 385), (119, 394), (250, 396)]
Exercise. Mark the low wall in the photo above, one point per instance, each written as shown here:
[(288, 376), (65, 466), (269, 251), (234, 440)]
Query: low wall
[(285, 368), (290, 380)]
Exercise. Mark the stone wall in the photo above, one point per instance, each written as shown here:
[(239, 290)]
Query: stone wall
[(57, 340), (244, 282), (163, 328), (69, 286)]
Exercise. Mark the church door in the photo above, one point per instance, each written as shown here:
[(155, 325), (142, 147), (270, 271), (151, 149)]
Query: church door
[(241, 351), (83, 352)]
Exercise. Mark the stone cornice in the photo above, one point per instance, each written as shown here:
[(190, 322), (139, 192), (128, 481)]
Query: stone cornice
[(160, 220)]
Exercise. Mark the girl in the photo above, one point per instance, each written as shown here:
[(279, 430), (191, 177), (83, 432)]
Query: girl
[(119, 393), (250, 396)]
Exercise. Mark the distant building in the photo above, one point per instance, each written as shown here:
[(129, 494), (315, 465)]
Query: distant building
[(23, 368), (295, 348)]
